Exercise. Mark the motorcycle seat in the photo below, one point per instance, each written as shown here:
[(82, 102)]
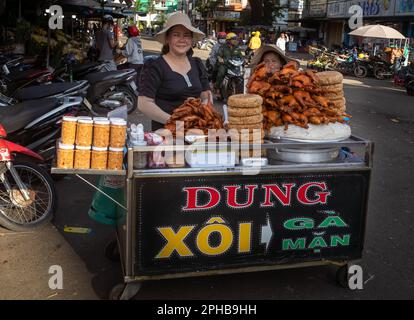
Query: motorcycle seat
[(47, 90), (18, 116), (110, 75)]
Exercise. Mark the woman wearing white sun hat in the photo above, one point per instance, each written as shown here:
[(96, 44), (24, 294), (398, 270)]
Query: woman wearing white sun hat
[(175, 76)]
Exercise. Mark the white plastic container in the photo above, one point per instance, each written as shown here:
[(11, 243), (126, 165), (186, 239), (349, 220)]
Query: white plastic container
[(211, 159)]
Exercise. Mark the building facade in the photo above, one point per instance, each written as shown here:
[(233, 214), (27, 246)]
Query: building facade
[(334, 19)]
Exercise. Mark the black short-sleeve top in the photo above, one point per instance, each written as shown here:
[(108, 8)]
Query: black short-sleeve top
[(170, 89)]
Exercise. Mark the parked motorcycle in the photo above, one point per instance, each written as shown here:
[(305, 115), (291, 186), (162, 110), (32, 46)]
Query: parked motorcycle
[(233, 82), (52, 90), (363, 68), (10, 82), (108, 89), (113, 89), (36, 124), (28, 197)]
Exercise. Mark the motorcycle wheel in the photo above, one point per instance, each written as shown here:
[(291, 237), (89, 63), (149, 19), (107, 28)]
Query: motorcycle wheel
[(130, 98), (19, 215), (360, 71), (379, 73)]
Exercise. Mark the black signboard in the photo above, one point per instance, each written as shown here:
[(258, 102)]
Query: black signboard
[(219, 222)]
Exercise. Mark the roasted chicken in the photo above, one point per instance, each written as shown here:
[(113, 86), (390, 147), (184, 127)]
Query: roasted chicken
[(291, 96)]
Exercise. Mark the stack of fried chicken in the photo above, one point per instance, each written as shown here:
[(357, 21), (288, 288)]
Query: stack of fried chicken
[(195, 115), (293, 97)]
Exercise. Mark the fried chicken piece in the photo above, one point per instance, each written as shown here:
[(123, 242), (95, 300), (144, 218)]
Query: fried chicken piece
[(282, 89), (291, 65), (304, 79), (304, 99), (288, 103), (324, 102), (259, 87)]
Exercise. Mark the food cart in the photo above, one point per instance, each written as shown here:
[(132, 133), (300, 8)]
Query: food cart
[(193, 221)]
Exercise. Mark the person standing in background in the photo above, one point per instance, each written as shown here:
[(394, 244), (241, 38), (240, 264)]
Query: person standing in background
[(134, 52), (281, 42), (105, 43)]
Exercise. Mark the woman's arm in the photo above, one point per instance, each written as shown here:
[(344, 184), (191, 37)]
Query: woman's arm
[(148, 107)]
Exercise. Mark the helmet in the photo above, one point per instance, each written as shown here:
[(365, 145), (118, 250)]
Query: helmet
[(221, 35), (231, 35), (133, 31), (257, 33), (107, 18), (253, 33), (361, 56)]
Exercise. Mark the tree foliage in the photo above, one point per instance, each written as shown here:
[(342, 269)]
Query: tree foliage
[(264, 11)]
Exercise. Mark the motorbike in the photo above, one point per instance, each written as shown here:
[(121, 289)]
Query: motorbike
[(233, 82), (52, 90), (112, 89), (107, 89), (28, 197), (36, 124), (10, 82), (363, 68)]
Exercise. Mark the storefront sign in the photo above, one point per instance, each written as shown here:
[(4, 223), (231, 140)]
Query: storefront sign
[(336, 9), (370, 8), (207, 223), (404, 7), (227, 15), (318, 8)]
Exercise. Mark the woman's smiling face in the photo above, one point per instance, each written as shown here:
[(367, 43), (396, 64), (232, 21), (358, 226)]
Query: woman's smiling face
[(179, 40), (272, 61)]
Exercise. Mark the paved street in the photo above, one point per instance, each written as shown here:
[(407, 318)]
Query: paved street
[(380, 111)]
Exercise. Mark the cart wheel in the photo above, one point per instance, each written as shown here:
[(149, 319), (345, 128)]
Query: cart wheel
[(342, 277), (112, 252), (117, 291)]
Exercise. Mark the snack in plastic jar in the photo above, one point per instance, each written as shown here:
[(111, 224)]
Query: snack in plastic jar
[(82, 157), (99, 158), (118, 132), (115, 158), (84, 131), (101, 130), (65, 156), (69, 130)]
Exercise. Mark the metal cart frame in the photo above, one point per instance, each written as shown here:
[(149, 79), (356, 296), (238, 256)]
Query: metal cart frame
[(127, 234)]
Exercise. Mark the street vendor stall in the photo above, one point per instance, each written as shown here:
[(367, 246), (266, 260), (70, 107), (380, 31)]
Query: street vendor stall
[(184, 222), (280, 183)]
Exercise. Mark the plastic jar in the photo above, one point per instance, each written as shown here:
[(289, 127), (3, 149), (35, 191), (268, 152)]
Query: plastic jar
[(101, 130), (65, 156), (140, 158), (115, 158), (84, 132), (118, 132), (82, 157), (69, 130), (99, 158)]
